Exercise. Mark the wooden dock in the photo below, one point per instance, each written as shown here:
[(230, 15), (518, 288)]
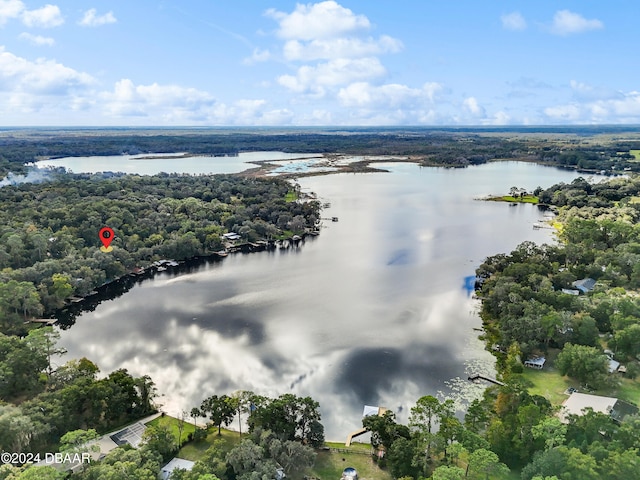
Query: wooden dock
[(477, 376), (45, 321)]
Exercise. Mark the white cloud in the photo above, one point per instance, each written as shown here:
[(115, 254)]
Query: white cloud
[(513, 21), (37, 40), (365, 95), (625, 108), (390, 104), (176, 105), (331, 43), (344, 47), (498, 118), (258, 55), (39, 77), (45, 17), (337, 61), (580, 86), (92, 19), (45, 88), (566, 22), (168, 101), (470, 104), (42, 87), (584, 91), (320, 20), (10, 9), (570, 112), (314, 79)]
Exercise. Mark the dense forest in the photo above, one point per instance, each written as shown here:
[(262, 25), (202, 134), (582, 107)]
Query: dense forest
[(49, 251), (530, 307), (49, 245), (588, 149)]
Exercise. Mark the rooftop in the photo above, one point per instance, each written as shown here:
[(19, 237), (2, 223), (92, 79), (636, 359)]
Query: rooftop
[(585, 285), (131, 435), (577, 402), (175, 462)]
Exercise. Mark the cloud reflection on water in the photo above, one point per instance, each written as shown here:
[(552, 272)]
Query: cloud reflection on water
[(335, 321)]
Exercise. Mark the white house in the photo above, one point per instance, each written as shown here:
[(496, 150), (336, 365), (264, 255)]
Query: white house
[(537, 363), (181, 463)]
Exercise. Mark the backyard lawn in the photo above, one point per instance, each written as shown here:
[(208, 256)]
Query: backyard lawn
[(172, 424), (549, 384), (194, 450), (329, 465)]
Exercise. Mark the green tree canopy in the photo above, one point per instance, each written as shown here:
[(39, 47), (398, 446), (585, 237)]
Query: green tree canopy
[(586, 364)]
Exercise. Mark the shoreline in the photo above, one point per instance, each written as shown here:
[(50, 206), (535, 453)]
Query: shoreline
[(333, 163), (65, 316), (265, 168)]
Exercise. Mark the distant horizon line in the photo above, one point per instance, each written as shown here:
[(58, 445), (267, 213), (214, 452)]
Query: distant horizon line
[(612, 126)]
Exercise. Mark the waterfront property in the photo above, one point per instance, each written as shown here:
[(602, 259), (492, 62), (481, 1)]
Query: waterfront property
[(577, 403), (367, 412), (131, 435), (585, 285), (325, 318), (537, 363), (231, 236), (175, 463)]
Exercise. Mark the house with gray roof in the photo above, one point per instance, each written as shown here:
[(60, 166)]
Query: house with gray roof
[(585, 285), (577, 403)]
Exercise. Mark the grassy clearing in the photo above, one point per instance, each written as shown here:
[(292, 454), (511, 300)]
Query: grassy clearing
[(195, 450), (365, 447), (549, 384), (291, 196), (636, 154), (172, 424), (330, 465), (629, 391), (508, 198)]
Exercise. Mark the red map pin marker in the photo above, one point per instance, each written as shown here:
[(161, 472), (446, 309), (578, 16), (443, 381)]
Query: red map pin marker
[(106, 237)]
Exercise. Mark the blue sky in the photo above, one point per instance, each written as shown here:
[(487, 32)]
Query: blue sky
[(274, 62)]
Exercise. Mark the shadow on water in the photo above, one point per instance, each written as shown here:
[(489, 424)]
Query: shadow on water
[(111, 291)]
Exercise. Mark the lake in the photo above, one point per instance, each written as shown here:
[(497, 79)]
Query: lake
[(373, 311), (145, 165)]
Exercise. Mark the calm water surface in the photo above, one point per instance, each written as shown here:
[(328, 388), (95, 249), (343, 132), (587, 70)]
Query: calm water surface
[(152, 166), (373, 311)]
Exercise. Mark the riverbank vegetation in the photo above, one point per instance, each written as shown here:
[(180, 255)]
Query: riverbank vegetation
[(531, 307), (39, 404), (49, 245), (515, 199), (609, 149)]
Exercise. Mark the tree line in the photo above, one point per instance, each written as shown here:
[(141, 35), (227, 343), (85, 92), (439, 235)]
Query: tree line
[(39, 404), (49, 245), (438, 146)]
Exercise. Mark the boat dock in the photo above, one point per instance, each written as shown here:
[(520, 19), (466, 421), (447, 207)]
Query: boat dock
[(477, 376), (44, 321)]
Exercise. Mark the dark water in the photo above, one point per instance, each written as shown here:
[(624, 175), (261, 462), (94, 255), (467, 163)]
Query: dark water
[(374, 311)]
